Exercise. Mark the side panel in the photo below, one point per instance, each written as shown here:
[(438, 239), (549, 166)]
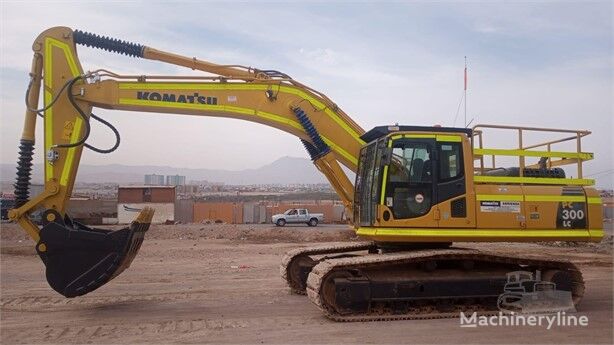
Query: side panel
[(595, 210), (555, 207), (499, 207)]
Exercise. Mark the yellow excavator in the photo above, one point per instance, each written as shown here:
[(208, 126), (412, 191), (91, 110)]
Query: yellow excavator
[(417, 189)]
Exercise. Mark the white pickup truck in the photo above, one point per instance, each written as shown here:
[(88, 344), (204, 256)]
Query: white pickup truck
[(297, 215)]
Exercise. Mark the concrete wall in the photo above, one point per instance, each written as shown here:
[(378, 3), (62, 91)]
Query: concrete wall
[(227, 212), (92, 212), (339, 214), (248, 212), (262, 218), (138, 194), (255, 213), (184, 211), (163, 212)]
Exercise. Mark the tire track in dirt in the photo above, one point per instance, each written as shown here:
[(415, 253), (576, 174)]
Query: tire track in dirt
[(175, 328), (38, 303)]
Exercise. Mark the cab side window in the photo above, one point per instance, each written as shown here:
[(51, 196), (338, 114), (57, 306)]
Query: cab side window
[(451, 177), (450, 161)]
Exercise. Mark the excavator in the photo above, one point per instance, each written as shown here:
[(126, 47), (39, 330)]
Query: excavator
[(417, 189)]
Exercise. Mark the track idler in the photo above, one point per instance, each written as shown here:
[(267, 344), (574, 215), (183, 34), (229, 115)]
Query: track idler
[(80, 259)]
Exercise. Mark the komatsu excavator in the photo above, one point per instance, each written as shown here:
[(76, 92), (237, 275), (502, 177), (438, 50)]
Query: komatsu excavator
[(417, 189)]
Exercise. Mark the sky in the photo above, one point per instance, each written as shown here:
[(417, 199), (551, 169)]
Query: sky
[(540, 64)]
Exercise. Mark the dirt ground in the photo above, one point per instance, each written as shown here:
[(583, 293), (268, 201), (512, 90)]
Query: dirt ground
[(220, 284)]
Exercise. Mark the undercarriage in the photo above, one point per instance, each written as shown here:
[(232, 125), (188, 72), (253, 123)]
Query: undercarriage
[(363, 282)]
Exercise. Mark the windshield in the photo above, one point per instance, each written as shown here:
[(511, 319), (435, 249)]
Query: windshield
[(410, 163), (290, 211), (367, 184), (409, 177)]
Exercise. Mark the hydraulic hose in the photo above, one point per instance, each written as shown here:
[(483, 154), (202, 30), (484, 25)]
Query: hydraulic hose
[(81, 113), (115, 131)]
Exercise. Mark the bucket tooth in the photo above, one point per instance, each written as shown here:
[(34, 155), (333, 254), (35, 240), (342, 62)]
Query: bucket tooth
[(80, 259)]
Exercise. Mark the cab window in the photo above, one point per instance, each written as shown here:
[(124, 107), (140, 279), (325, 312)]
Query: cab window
[(450, 161), (409, 184)]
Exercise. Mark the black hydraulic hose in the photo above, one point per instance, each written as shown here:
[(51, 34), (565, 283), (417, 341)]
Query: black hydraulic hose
[(115, 131), (83, 140), (81, 113), (55, 98)]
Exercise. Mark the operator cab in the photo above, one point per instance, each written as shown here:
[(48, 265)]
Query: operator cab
[(404, 171)]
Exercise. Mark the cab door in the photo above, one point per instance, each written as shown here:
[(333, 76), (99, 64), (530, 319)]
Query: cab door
[(409, 193), (454, 204)]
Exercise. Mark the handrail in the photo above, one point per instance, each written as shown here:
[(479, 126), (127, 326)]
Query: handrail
[(541, 129), (521, 151)]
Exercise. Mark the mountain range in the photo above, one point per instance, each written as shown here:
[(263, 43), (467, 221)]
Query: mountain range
[(285, 170)]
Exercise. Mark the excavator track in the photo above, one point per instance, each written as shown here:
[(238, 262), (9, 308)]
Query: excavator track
[(297, 262), (320, 281)]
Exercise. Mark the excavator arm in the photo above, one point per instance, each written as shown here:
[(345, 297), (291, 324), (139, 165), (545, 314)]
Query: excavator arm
[(80, 259)]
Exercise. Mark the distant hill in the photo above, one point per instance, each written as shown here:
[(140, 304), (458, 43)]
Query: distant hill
[(285, 170)]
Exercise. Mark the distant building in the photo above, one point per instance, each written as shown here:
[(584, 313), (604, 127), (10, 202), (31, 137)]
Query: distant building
[(154, 180), (175, 180)]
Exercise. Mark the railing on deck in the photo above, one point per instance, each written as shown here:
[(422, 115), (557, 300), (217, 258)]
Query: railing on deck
[(521, 151)]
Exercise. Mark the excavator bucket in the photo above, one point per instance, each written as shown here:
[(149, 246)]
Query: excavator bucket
[(80, 259)]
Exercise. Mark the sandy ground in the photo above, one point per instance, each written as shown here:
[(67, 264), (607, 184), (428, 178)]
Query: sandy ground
[(182, 288)]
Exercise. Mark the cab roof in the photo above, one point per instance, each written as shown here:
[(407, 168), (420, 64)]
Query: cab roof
[(381, 131)]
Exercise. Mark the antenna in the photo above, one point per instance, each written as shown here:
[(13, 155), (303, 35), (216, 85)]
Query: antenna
[(463, 98), (465, 91)]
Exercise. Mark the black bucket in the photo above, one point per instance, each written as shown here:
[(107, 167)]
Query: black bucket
[(80, 259)]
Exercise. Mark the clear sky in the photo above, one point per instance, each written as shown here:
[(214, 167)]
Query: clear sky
[(546, 64)]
